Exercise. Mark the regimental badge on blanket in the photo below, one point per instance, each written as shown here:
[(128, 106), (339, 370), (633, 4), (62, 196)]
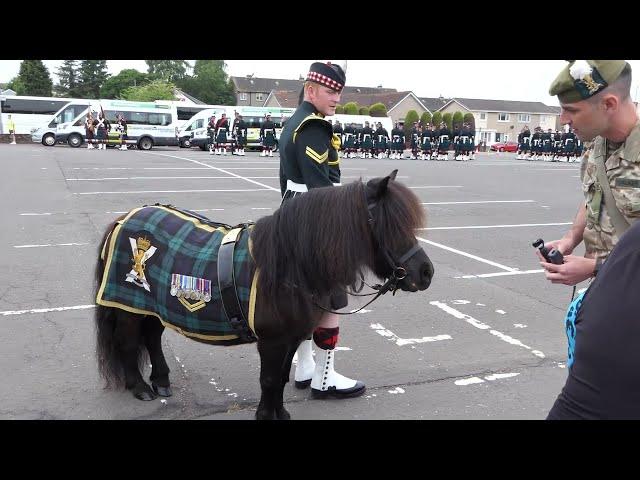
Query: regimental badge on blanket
[(187, 288), (142, 251)]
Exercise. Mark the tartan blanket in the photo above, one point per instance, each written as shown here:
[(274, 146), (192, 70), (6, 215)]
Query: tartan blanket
[(163, 262)]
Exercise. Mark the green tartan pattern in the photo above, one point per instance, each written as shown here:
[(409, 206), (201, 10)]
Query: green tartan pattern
[(186, 247)]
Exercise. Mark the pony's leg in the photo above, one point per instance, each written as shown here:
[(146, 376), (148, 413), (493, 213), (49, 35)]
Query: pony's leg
[(128, 336), (281, 412), (272, 360), (152, 332)]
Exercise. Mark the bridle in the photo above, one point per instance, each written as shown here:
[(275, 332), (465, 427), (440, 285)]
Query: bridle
[(398, 271)]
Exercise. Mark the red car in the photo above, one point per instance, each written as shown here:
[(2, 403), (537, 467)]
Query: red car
[(505, 147)]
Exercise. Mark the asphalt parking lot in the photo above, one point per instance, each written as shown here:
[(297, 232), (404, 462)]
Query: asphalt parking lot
[(485, 341)]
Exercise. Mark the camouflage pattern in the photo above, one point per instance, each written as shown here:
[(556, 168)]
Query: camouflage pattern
[(623, 171)]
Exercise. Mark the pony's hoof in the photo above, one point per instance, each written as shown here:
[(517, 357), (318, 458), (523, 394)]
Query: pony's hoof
[(145, 395), (162, 391), (282, 414)]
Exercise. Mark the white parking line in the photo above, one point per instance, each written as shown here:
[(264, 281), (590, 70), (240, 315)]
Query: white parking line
[(502, 274), (498, 226), (465, 254), (176, 191), (495, 376), (215, 168), (483, 201), (483, 326), (405, 341), (46, 310)]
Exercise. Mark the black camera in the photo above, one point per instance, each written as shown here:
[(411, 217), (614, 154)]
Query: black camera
[(551, 256)]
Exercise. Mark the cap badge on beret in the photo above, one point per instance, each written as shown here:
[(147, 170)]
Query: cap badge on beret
[(586, 78)]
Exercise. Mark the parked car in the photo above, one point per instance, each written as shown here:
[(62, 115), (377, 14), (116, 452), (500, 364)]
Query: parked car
[(505, 147)]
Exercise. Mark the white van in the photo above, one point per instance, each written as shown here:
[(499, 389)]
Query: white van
[(148, 123), (194, 130)]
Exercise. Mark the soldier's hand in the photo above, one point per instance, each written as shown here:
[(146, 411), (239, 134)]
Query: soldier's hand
[(562, 245), (573, 271)]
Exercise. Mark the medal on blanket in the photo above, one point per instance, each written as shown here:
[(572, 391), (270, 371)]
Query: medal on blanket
[(192, 292)]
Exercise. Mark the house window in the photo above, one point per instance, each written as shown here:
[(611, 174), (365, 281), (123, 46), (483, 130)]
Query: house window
[(505, 137), (483, 115), (524, 118), (259, 97), (243, 96), (503, 117)]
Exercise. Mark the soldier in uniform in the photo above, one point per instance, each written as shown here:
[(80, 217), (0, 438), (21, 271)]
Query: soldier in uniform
[(307, 148), (222, 134), (467, 141), (524, 139), (211, 132), (89, 130), (349, 137), (614, 138), (240, 132), (595, 101), (338, 131), (397, 141), (366, 141), (457, 142), (122, 128), (415, 136), (568, 145), (268, 136), (425, 143), (382, 138), (536, 144), (444, 139)]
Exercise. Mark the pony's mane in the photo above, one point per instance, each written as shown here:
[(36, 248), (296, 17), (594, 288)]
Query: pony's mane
[(322, 239)]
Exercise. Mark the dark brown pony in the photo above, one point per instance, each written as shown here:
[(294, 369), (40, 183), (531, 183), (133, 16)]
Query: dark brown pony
[(315, 244)]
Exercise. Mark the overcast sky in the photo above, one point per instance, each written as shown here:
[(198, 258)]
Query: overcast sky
[(526, 80)]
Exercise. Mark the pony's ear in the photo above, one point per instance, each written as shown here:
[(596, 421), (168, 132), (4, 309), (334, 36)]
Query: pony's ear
[(393, 174), (378, 187)]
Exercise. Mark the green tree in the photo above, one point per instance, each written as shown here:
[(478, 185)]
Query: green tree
[(351, 108), (448, 119), (339, 109), (378, 110), (16, 85), (457, 119), (409, 118), (155, 90), (168, 70), (209, 83), (471, 120), (67, 79), (33, 79), (363, 111), (93, 73), (437, 119), (114, 86), (425, 118)]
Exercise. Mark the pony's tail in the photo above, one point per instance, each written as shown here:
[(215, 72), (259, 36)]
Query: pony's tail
[(110, 361)]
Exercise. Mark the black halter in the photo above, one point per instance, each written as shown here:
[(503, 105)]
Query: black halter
[(398, 271)]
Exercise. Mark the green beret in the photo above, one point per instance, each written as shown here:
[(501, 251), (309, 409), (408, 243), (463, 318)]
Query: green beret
[(582, 79)]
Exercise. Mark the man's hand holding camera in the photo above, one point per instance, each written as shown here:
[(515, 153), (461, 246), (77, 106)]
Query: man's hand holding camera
[(573, 270)]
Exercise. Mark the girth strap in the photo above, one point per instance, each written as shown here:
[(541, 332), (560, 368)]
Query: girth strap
[(227, 285)]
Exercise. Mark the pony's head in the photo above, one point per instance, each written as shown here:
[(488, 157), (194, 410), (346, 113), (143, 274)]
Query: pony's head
[(395, 213)]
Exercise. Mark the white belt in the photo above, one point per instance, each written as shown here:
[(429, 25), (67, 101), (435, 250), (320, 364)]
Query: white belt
[(337, 184), (296, 187)]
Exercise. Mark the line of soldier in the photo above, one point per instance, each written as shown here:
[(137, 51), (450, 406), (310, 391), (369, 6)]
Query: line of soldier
[(427, 143), (220, 138), (549, 146)]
